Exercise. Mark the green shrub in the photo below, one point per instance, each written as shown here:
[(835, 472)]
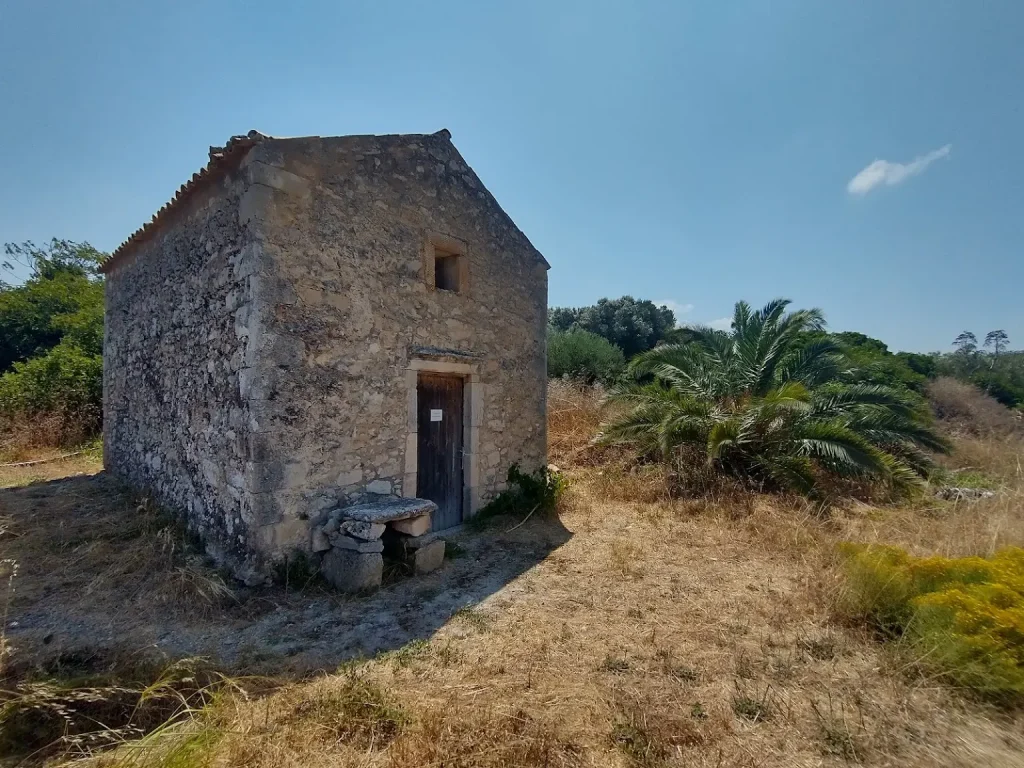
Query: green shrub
[(63, 379), (632, 325), (584, 356), (525, 494), (961, 618), (1000, 386), (923, 365), (873, 363), (62, 298)]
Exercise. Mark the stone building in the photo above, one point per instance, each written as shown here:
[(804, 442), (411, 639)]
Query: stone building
[(314, 323)]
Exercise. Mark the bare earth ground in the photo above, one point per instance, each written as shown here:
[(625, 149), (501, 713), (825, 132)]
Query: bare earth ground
[(91, 585), (631, 630)]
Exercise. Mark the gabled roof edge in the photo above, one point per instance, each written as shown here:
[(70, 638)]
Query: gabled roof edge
[(221, 159)]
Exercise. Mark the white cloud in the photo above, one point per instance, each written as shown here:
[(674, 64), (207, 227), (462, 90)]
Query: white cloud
[(883, 172), (677, 308), (722, 323)]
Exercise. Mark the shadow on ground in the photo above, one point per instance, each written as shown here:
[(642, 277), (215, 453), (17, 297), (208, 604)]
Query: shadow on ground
[(98, 582)]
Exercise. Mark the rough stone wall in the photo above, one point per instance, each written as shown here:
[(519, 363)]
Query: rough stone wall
[(345, 223), (258, 344), (179, 315)]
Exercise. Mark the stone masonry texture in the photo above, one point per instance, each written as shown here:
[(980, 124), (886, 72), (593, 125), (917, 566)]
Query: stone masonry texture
[(259, 340)]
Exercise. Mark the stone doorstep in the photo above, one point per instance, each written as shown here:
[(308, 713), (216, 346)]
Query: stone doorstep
[(387, 509), (340, 541)]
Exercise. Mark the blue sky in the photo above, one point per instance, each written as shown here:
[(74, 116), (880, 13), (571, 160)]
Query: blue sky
[(689, 152)]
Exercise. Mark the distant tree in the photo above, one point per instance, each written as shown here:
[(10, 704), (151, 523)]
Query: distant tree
[(998, 340), (56, 257), (923, 365), (563, 318), (632, 325), (854, 340), (61, 297), (966, 343), (583, 356)]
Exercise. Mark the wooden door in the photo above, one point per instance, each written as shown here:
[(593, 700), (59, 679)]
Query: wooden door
[(439, 447)]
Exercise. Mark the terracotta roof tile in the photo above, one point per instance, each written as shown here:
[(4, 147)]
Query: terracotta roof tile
[(221, 159)]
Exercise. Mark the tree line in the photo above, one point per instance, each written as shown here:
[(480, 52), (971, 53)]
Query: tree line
[(51, 342), (596, 343)]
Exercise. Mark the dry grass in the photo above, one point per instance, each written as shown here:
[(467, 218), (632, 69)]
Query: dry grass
[(89, 544), (574, 413), (27, 437), (664, 632), (963, 408), (49, 464)]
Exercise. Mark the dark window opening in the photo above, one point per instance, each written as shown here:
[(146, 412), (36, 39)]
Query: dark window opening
[(446, 271)]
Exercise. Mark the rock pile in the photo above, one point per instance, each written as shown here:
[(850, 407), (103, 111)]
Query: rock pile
[(354, 539), (950, 493)]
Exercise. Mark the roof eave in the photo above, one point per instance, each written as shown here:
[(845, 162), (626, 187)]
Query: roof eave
[(222, 159)]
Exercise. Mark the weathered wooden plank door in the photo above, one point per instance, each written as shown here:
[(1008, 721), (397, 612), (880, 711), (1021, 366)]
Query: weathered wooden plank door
[(439, 447)]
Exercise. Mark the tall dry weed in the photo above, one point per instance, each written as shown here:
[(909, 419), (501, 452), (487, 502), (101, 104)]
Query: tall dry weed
[(965, 409), (24, 437), (574, 413)]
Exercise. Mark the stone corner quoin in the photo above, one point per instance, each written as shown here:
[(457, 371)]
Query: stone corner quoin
[(267, 334)]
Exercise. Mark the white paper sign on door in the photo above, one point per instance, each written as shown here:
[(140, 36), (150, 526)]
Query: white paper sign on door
[(435, 414)]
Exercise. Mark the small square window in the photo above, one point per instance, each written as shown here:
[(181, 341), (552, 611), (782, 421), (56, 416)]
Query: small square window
[(446, 271)]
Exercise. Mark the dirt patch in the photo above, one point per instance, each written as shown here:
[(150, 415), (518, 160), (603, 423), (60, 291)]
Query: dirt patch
[(99, 572)]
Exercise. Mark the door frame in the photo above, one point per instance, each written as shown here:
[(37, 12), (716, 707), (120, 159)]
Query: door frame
[(472, 417)]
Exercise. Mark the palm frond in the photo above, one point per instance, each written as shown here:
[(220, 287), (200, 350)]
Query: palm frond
[(841, 398), (900, 474), (795, 473), (815, 364), (885, 427), (842, 449), (722, 435), (767, 404)]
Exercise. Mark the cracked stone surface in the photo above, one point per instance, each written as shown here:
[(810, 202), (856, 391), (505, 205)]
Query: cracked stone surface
[(385, 510)]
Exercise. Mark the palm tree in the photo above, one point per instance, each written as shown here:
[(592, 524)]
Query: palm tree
[(763, 402)]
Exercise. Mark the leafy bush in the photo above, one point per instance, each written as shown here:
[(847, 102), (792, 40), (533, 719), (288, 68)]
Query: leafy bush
[(924, 365), (632, 325), (871, 362), (63, 297), (525, 494), (583, 356), (64, 379), (963, 617), (1000, 386), (765, 406), (51, 344)]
